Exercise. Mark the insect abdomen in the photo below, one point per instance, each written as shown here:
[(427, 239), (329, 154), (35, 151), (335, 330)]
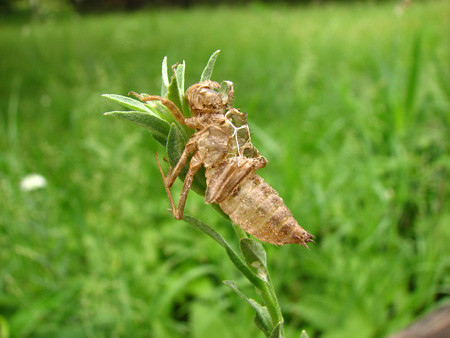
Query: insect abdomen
[(258, 209)]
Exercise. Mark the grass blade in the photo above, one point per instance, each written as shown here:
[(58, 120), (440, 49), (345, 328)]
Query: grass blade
[(413, 79)]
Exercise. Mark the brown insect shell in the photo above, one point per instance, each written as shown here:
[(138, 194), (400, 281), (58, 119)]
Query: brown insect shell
[(204, 97), (213, 145), (231, 182)]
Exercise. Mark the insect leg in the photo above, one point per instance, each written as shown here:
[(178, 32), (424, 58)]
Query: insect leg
[(168, 192), (166, 102), (173, 173), (194, 166)]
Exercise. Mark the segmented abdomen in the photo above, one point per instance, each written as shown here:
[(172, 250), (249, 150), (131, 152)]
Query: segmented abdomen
[(256, 207)]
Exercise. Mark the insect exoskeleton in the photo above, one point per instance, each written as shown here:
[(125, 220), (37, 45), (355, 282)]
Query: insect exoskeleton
[(223, 146), (253, 204)]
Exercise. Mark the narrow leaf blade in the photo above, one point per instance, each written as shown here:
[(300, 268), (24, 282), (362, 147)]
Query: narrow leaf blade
[(304, 334), (207, 72), (253, 251), (129, 102), (180, 75), (277, 331), (175, 145), (158, 127), (255, 257), (165, 78), (237, 261), (262, 318), (173, 93)]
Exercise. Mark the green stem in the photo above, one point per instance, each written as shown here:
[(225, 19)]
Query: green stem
[(235, 258), (239, 232), (265, 287), (271, 302)]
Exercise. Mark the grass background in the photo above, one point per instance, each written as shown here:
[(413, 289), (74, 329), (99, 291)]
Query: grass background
[(350, 104)]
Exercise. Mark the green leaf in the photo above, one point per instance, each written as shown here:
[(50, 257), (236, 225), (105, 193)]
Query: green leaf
[(180, 74), (158, 127), (255, 256), (162, 110), (237, 261), (175, 90), (176, 142), (175, 146), (277, 331), (4, 329), (253, 251), (130, 103), (172, 92), (165, 78), (173, 95), (304, 334), (207, 72), (262, 318)]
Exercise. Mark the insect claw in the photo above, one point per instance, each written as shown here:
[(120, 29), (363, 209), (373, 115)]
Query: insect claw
[(304, 244)]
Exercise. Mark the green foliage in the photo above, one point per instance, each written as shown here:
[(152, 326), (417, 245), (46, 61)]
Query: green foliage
[(207, 72), (361, 163), (147, 115)]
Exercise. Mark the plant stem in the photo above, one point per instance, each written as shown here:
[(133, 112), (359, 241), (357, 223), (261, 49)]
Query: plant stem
[(239, 232), (271, 302), (263, 285)]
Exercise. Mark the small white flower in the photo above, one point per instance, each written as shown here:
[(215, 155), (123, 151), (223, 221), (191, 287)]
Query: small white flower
[(33, 182)]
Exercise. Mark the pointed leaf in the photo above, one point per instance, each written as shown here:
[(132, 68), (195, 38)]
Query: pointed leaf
[(277, 331), (262, 318), (255, 256), (207, 72), (180, 74), (162, 110), (176, 142), (261, 325), (304, 334), (173, 93), (165, 78), (253, 251), (4, 329), (237, 261), (175, 146), (129, 102), (158, 127)]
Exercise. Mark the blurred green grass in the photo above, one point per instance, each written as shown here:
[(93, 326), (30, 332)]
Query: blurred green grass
[(350, 104)]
